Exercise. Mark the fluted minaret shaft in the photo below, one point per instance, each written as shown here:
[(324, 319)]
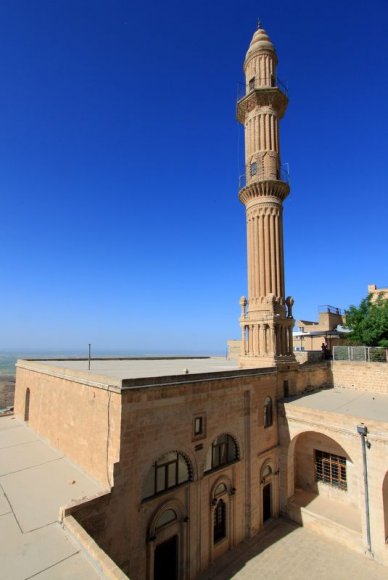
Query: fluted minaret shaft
[(267, 321)]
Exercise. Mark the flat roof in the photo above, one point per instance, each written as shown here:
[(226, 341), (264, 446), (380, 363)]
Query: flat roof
[(367, 405), (122, 373)]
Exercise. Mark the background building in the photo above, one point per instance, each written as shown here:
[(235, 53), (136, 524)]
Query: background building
[(310, 336)]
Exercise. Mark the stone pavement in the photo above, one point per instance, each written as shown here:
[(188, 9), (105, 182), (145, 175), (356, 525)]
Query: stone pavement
[(35, 480), (289, 552)]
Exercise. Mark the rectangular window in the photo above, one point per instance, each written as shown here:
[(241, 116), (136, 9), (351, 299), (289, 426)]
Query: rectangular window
[(252, 84), (330, 469), (160, 478), (198, 426), (172, 474), (253, 169)]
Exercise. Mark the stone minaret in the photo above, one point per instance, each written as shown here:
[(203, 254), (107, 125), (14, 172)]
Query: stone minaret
[(266, 317)]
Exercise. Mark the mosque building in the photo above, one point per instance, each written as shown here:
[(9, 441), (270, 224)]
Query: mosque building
[(194, 455)]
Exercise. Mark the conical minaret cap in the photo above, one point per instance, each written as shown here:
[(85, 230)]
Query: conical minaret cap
[(260, 41)]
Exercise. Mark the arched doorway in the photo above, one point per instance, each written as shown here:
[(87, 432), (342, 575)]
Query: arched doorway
[(269, 491), (27, 405), (166, 559)]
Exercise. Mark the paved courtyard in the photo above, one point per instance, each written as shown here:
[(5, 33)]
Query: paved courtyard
[(289, 552)]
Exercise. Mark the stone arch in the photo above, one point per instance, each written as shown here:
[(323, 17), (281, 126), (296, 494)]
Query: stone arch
[(214, 456), (167, 541), (222, 516), (301, 459), (170, 470), (269, 490)]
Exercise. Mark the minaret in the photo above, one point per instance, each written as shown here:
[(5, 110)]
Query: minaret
[(266, 317)]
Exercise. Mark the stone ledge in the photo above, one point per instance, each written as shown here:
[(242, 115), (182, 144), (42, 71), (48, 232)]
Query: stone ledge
[(109, 569)]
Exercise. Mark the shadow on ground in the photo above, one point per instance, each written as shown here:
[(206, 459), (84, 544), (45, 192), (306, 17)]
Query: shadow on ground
[(232, 562)]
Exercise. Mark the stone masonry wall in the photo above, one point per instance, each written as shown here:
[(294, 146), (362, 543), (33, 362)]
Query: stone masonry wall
[(81, 421), (360, 376)]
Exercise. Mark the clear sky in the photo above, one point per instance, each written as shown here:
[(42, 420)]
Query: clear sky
[(120, 156)]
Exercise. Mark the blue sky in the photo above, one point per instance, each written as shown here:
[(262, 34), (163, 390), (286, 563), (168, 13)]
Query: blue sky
[(120, 156)]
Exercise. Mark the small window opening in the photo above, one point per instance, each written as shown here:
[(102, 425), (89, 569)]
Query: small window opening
[(268, 413), (198, 426), (253, 169), (252, 84)]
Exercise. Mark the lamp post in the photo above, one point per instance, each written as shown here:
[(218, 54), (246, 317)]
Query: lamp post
[(362, 430)]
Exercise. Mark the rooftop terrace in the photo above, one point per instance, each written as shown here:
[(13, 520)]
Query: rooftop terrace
[(367, 405), (122, 373)]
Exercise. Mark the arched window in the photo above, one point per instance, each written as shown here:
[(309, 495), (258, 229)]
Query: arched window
[(268, 412), (220, 489), (170, 470), (266, 471), (219, 525), (165, 518), (223, 450)]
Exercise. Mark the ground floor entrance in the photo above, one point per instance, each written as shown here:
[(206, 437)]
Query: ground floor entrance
[(267, 500), (166, 560)]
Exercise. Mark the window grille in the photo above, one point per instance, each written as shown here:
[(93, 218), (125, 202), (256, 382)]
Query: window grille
[(330, 469)]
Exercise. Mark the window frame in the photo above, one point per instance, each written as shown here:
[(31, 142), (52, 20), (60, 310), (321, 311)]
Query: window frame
[(221, 449), (330, 469), (268, 412), (202, 433), (253, 169), (161, 472)]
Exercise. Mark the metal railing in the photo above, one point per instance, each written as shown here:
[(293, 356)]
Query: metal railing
[(283, 175), (243, 89), (361, 353), (330, 309)]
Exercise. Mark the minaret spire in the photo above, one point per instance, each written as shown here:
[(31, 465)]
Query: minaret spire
[(266, 319)]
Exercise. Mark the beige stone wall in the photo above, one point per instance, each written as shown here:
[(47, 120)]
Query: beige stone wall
[(157, 420), (375, 292), (82, 421), (233, 349), (302, 430), (165, 416), (305, 468), (360, 376)]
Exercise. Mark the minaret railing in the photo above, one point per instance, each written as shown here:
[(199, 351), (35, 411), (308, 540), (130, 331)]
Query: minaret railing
[(284, 175), (267, 82)]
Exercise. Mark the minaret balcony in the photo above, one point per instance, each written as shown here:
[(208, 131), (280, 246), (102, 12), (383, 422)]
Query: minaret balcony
[(243, 89), (261, 96), (282, 175)]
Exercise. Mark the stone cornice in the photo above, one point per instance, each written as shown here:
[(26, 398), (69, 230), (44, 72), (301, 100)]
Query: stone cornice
[(263, 189), (263, 97)]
